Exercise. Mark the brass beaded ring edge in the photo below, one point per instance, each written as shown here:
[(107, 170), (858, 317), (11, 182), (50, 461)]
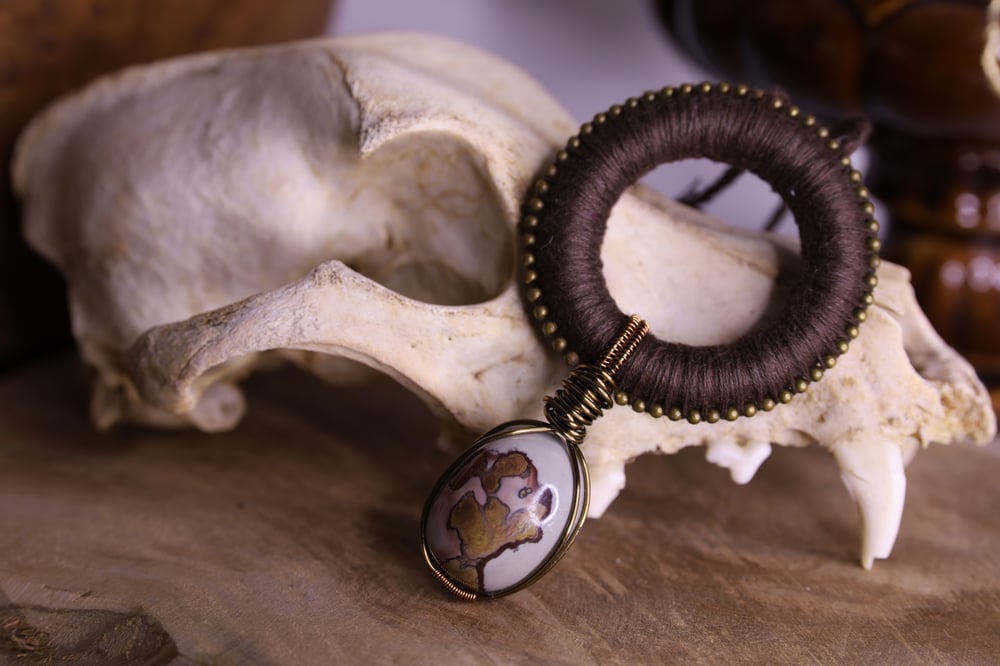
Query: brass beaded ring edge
[(535, 202)]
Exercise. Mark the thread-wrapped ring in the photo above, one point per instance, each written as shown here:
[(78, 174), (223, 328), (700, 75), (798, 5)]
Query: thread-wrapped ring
[(565, 218)]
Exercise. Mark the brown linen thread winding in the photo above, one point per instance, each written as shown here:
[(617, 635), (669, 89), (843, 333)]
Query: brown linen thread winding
[(565, 219)]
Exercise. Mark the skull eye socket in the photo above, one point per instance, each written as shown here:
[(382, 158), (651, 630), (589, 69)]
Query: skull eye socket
[(524, 492), (441, 232)]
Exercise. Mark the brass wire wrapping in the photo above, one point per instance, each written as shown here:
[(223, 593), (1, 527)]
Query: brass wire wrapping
[(590, 389), (457, 591)]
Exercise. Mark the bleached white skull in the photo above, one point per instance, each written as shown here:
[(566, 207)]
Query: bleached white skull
[(356, 198)]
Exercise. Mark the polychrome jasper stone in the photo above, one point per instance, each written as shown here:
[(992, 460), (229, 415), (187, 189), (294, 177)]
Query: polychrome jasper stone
[(506, 510)]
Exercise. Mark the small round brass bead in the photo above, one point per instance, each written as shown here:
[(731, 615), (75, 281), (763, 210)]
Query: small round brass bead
[(874, 262), (530, 276), (694, 417), (528, 260), (801, 385), (853, 332), (830, 361), (822, 132), (639, 406), (873, 226), (559, 345), (868, 207), (530, 221), (724, 87), (601, 118), (550, 327), (758, 93), (816, 374), (872, 281), (749, 409), (572, 359), (706, 87), (586, 128), (616, 110), (732, 414), (562, 156), (785, 397), (536, 204), (845, 161), (843, 346), (552, 171), (777, 104), (675, 414), (867, 299), (809, 121), (621, 398), (833, 144), (713, 416), (860, 315), (687, 88), (528, 240), (742, 90), (574, 142), (656, 410), (854, 176), (632, 102), (668, 91), (533, 294), (541, 186), (767, 404), (650, 96), (874, 244), (863, 192), (793, 112), (540, 312)]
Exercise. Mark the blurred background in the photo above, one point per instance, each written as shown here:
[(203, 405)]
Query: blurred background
[(589, 54)]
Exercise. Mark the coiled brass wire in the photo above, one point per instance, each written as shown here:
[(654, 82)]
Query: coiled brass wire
[(623, 346), (590, 389), (451, 587), (584, 396)]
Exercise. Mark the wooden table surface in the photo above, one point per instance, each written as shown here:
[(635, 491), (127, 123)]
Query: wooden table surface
[(294, 540)]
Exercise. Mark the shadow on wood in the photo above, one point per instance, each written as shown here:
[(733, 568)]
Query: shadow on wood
[(295, 539)]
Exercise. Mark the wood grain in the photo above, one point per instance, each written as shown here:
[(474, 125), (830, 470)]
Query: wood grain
[(294, 539)]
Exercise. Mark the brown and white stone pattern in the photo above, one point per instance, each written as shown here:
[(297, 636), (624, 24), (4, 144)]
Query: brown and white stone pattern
[(505, 511)]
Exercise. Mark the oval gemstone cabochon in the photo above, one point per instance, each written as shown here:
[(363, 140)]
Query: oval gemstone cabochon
[(504, 509)]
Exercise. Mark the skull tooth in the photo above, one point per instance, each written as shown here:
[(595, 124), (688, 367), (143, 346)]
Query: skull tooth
[(872, 470), (741, 459)]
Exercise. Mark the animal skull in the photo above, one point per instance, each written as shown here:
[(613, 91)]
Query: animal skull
[(356, 198)]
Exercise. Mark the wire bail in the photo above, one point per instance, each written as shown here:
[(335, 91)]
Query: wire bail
[(590, 389)]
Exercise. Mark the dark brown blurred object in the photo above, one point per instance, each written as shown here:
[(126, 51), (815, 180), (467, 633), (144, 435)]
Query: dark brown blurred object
[(49, 48), (914, 69)]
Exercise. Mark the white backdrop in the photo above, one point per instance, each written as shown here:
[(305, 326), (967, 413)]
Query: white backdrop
[(589, 54)]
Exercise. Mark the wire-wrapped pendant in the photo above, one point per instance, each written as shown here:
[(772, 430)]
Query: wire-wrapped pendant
[(508, 509)]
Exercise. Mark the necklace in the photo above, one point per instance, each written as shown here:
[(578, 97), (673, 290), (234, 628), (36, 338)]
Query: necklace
[(505, 512)]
